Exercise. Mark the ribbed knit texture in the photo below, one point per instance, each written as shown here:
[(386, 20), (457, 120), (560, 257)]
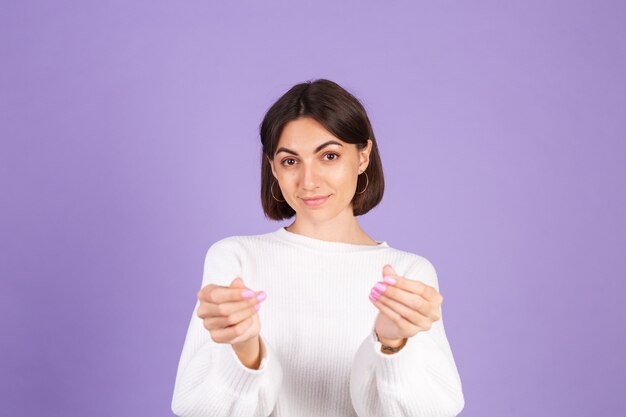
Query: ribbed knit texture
[(320, 357)]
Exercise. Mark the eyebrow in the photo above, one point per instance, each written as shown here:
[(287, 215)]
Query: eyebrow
[(319, 148)]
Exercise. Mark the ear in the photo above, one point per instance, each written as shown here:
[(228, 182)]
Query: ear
[(364, 156), (272, 166)]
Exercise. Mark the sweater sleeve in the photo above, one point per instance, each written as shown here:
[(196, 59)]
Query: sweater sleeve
[(210, 379), (419, 380)]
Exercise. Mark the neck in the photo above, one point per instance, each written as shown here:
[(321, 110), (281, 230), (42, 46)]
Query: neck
[(346, 230)]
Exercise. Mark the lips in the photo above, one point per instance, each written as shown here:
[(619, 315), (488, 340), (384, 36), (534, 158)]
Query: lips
[(319, 197), (315, 201)]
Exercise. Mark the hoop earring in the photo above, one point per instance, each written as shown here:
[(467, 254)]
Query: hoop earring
[(272, 191), (367, 179)]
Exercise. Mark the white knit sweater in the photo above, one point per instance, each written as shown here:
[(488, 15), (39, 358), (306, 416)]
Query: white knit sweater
[(319, 352)]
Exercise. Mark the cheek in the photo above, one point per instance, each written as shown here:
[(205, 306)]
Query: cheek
[(344, 180), (289, 181)]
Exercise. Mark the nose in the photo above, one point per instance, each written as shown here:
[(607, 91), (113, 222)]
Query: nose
[(310, 177)]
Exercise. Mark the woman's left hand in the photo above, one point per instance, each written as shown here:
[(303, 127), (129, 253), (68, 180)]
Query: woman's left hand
[(406, 307)]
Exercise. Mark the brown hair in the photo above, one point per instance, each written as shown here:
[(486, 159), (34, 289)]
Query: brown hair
[(341, 114)]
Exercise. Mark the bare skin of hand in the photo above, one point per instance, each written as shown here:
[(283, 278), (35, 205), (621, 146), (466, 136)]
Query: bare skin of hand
[(229, 314), (407, 307)]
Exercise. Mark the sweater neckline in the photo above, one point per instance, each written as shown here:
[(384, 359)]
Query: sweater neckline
[(320, 244)]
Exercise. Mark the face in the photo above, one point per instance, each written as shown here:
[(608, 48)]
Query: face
[(311, 162)]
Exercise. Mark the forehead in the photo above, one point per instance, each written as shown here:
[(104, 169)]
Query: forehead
[(305, 134)]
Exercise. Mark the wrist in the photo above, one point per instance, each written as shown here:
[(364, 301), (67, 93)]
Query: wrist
[(391, 345), (247, 346), (249, 352)]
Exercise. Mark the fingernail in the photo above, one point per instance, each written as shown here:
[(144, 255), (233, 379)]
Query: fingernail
[(380, 287), (373, 298), (261, 296), (257, 306), (247, 294), (389, 280)]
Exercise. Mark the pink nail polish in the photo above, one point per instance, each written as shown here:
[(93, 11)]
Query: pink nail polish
[(257, 306), (376, 292), (261, 296), (247, 294), (380, 287), (373, 298), (389, 280)]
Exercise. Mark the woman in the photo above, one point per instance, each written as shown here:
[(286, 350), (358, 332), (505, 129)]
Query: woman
[(335, 342)]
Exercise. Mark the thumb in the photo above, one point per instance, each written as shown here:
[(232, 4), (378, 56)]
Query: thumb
[(237, 283), (388, 270)]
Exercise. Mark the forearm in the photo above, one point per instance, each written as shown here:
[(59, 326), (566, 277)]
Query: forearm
[(417, 381), (212, 380)]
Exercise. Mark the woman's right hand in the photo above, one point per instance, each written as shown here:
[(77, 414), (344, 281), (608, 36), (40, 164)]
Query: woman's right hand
[(228, 315)]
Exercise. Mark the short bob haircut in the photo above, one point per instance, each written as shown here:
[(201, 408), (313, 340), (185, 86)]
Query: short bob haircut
[(341, 114)]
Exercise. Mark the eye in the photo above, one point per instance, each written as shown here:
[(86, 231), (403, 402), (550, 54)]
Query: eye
[(284, 161)]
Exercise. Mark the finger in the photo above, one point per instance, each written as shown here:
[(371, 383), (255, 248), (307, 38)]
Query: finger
[(204, 290), (412, 301), (397, 318), (218, 294), (411, 285), (207, 310), (229, 333), (220, 322), (412, 316), (237, 283)]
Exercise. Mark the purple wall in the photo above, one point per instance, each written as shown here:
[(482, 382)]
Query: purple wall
[(130, 143)]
